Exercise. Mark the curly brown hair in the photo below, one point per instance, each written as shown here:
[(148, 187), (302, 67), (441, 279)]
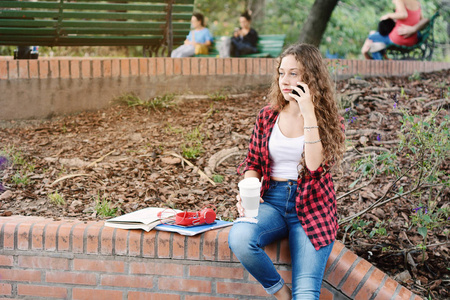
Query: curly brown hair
[(315, 74)]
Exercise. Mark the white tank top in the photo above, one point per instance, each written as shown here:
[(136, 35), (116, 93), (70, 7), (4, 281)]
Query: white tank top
[(285, 154)]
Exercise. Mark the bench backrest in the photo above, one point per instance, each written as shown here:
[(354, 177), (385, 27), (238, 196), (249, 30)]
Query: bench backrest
[(94, 22), (425, 33)]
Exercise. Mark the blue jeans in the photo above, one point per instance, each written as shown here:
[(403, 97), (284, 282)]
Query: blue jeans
[(278, 219), (377, 37)]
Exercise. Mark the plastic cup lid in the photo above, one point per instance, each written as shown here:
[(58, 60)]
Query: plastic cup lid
[(250, 183)]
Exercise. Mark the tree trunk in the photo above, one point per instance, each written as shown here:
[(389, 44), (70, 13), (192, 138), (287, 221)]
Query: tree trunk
[(258, 13), (314, 27)]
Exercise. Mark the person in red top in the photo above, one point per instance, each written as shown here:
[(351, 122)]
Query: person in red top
[(296, 140), (408, 22)]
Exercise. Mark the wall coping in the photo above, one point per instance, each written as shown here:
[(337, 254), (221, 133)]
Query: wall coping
[(22, 236)]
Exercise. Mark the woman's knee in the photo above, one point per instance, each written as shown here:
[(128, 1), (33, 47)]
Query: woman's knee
[(240, 238)]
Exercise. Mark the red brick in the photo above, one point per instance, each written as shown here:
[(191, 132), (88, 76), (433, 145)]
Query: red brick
[(92, 238), (64, 68), (184, 285), (256, 66), (13, 69), (127, 281), (193, 247), (8, 235), (89, 294), (178, 246), (124, 67), (186, 66), (209, 245), (6, 260), (43, 69), (263, 66), (203, 66), (341, 269), (71, 278), (249, 65), (165, 269), (355, 277), (388, 289), (85, 69), (285, 253), (196, 297), (152, 66), (224, 252), (42, 262), (32, 68), (237, 288), (148, 248), (23, 69), (98, 265), (54, 68), (106, 240), (115, 67), (163, 244), (337, 248), (404, 294), (286, 275), (134, 243), (220, 65), (235, 65), (371, 285), (160, 67), (74, 68), (78, 238), (5, 289), (227, 66), (169, 66), (271, 251), (143, 66), (195, 69), (23, 236), (120, 242), (326, 294), (42, 291), (96, 68), (176, 66), (151, 296), (50, 236), (106, 67), (216, 272), (64, 236), (134, 66), (20, 275), (4, 70), (37, 236), (211, 65)]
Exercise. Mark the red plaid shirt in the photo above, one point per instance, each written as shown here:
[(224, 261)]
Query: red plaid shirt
[(316, 198)]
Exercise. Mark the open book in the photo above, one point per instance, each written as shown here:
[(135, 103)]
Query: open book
[(160, 219), (145, 219)]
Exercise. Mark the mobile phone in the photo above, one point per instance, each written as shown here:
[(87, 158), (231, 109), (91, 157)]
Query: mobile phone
[(296, 93)]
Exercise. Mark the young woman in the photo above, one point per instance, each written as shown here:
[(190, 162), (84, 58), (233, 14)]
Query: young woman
[(245, 38), (295, 142), (408, 22), (199, 35)]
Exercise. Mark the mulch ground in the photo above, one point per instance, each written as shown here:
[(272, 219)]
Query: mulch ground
[(125, 158)]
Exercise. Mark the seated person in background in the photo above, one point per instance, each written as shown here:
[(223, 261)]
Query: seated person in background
[(197, 37), (408, 21), (245, 38)]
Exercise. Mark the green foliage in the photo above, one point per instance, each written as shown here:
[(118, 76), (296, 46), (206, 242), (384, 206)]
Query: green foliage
[(218, 96), (56, 198), (21, 167), (160, 102), (217, 178), (192, 146), (104, 207)]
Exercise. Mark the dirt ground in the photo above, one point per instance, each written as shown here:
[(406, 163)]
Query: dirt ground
[(127, 157)]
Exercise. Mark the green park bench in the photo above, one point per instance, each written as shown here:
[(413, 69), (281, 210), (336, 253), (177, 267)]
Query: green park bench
[(269, 45), (157, 25), (420, 51)]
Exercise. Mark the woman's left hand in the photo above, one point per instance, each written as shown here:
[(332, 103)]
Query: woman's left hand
[(305, 100)]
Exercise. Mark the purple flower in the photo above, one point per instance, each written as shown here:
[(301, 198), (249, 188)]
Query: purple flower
[(378, 137), (417, 209), (395, 105), (347, 109), (3, 162)]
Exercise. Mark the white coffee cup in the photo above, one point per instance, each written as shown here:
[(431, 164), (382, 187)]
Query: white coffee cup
[(249, 190)]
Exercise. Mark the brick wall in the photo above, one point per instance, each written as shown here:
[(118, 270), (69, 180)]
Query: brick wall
[(45, 259), (54, 86)]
